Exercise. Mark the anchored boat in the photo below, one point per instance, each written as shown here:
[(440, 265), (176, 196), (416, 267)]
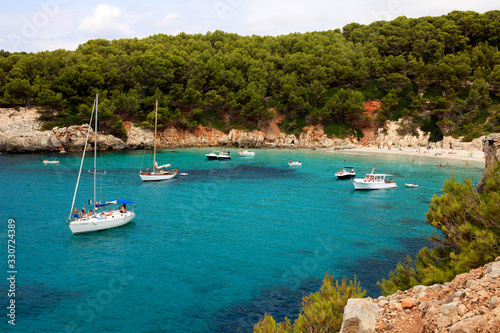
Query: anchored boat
[(374, 181), (98, 218)]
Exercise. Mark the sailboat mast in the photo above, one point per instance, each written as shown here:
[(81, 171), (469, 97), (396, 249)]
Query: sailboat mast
[(95, 148), (154, 149)]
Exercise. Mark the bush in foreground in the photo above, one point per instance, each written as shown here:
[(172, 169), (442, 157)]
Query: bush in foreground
[(321, 311)]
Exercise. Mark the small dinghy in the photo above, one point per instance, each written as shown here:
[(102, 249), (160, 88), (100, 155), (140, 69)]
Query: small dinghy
[(246, 153), (411, 185), (52, 160)]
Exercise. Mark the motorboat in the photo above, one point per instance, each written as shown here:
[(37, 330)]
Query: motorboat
[(51, 160), (213, 155), (98, 218), (294, 163), (374, 181), (346, 173), (411, 185), (246, 153), (224, 155), (219, 155)]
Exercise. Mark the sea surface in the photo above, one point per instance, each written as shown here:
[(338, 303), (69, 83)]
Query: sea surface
[(208, 252)]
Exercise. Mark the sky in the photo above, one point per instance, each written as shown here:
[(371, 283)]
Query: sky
[(47, 25)]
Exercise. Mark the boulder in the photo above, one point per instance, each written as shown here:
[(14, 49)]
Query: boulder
[(360, 316)]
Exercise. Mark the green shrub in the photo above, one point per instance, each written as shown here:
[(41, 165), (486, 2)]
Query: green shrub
[(48, 126), (293, 125), (269, 325), (321, 311), (372, 90), (339, 130)]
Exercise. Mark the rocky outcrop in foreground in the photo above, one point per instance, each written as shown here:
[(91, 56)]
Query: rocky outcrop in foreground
[(469, 303)]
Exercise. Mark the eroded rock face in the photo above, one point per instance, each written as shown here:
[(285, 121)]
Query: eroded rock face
[(491, 149), (73, 138), (469, 303), (20, 131)]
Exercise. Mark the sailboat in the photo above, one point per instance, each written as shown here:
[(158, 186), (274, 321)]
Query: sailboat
[(99, 218), (157, 173)]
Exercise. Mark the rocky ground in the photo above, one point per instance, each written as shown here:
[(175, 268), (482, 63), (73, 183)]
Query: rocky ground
[(469, 303)]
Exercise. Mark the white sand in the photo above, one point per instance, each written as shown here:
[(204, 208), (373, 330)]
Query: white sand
[(417, 154)]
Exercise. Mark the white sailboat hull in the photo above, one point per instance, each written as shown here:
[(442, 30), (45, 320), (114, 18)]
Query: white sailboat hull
[(156, 176), (101, 222)]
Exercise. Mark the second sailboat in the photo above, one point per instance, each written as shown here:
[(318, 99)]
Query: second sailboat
[(159, 172)]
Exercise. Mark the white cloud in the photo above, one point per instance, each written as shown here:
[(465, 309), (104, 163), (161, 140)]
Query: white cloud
[(283, 17), (40, 27), (168, 19), (105, 22)]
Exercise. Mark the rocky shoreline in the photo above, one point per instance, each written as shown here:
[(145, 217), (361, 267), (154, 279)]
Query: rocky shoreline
[(469, 303), (20, 132)]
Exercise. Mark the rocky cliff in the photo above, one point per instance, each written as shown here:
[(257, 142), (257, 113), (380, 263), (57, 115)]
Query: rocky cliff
[(469, 303), (491, 148), (20, 131)]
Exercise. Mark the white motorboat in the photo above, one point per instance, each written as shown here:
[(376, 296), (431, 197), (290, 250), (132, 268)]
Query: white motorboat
[(52, 160), (411, 185), (224, 155), (374, 181), (346, 173), (294, 163), (159, 172), (213, 155), (246, 153), (97, 219), (219, 155)]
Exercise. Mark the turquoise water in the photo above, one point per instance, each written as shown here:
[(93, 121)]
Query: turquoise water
[(212, 251)]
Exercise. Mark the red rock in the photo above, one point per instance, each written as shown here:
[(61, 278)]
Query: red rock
[(407, 303)]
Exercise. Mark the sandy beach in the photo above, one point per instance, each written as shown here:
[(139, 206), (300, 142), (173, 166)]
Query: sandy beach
[(418, 154)]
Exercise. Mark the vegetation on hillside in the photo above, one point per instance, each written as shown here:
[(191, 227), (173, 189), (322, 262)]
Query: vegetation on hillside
[(470, 235), (442, 73)]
